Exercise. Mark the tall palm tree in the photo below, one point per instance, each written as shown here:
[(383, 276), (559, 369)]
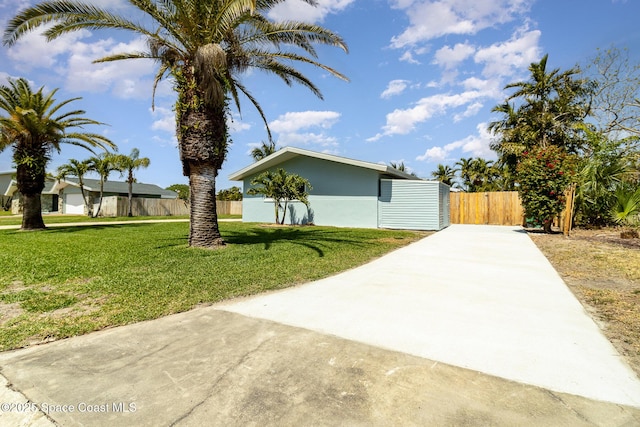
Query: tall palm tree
[(129, 164), (511, 133), (34, 126), (103, 165), (552, 104), (78, 169), (445, 174), (263, 151), (464, 167), (481, 174), (205, 46)]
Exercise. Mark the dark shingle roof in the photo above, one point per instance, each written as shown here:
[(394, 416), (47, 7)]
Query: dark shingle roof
[(123, 187)]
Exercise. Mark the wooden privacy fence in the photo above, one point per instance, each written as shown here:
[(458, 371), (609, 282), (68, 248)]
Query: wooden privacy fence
[(494, 208), (502, 208), (229, 207), (118, 206)]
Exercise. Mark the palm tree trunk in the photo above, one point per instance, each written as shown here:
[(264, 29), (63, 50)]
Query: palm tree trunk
[(85, 200), (203, 230), (32, 212), (30, 184), (100, 202), (130, 195), (202, 141)]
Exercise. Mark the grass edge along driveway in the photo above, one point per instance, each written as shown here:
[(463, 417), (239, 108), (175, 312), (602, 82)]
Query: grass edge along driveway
[(69, 281)]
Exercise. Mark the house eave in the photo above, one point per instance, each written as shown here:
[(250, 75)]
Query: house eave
[(288, 153)]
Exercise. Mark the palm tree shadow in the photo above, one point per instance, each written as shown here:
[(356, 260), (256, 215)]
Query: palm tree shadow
[(308, 237)]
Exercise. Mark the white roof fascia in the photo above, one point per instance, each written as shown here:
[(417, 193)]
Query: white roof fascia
[(288, 153)]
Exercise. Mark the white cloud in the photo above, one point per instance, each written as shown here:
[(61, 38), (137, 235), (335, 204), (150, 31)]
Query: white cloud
[(165, 142), (32, 50), (126, 79), (450, 57), (309, 138), (478, 145), (300, 128), (488, 86), (295, 121), (434, 154), (475, 145), (395, 87), (471, 110), (70, 57), (166, 120), (506, 58), (235, 124), (403, 121), (298, 10), (408, 57), (430, 19)]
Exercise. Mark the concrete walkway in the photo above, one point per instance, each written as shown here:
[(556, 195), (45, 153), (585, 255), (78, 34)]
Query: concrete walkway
[(470, 326), (478, 297)]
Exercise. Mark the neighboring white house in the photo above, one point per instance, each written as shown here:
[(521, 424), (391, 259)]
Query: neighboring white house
[(64, 196)]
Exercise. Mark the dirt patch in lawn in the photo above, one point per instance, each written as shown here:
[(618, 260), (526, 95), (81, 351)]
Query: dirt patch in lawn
[(603, 271), (9, 311)]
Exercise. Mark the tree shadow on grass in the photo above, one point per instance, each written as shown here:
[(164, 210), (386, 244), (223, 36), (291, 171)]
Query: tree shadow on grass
[(310, 238), (76, 228)]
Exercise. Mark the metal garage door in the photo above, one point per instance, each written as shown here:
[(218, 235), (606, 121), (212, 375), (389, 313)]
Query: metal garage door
[(73, 204)]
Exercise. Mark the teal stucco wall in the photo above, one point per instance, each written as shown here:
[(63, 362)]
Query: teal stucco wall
[(342, 195)]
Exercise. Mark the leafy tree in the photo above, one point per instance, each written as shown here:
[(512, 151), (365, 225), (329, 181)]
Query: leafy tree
[(282, 188), (546, 118), (464, 168), (232, 194), (478, 174), (181, 189), (551, 106), (445, 174), (78, 169), (616, 96), (103, 164), (205, 47), (128, 164), (626, 208), (263, 151), (481, 175), (34, 126), (543, 176), (605, 167)]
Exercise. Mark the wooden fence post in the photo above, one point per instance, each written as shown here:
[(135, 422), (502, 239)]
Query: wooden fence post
[(568, 209)]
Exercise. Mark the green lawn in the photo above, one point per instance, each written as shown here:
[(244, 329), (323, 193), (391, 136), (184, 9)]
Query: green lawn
[(58, 219), (72, 280)]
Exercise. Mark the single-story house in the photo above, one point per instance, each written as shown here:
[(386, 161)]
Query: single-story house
[(64, 196), (348, 193)]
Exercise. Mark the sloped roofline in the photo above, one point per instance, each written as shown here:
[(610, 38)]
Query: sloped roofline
[(288, 153)]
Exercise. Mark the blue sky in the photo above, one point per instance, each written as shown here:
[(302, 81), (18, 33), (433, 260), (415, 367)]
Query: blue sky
[(424, 77)]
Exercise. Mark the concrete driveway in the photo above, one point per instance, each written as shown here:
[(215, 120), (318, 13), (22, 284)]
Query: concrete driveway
[(470, 326)]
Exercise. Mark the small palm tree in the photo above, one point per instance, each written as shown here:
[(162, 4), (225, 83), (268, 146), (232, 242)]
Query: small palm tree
[(103, 165), (444, 174), (78, 169), (34, 127), (205, 47), (282, 187), (129, 164), (263, 151), (465, 168)]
